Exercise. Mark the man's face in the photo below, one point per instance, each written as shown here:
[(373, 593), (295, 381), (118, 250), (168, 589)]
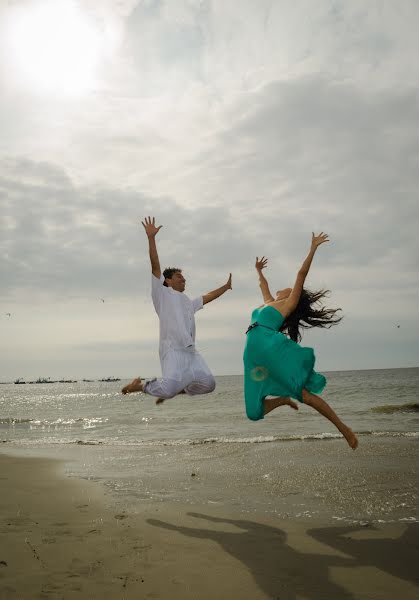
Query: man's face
[(177, 282)]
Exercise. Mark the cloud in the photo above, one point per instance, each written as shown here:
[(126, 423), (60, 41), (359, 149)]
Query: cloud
[(57, 237), (61, 239), (311, 154), (241, 130), (296, 156)]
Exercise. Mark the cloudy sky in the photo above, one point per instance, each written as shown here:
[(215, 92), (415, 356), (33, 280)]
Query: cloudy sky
[(242, 126)]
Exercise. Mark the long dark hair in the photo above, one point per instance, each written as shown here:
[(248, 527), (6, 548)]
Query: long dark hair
[(306, 315)]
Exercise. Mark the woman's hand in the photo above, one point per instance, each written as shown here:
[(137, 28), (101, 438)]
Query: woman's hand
[(317, 240), (261, 264)]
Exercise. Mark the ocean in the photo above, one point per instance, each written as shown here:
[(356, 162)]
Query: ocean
[(203, 449)]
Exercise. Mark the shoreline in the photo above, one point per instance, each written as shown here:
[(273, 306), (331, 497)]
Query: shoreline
[(321, 480), (66, 538)]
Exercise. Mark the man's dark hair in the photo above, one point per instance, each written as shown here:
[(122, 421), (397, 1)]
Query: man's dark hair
[(168, 273)]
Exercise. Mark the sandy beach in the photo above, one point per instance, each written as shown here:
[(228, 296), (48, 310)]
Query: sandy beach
[(60, 538)]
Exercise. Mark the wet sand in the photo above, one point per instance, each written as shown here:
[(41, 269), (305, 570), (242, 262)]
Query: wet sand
[(60, 539)]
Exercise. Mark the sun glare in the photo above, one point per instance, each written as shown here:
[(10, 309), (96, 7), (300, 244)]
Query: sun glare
[(54, 47)]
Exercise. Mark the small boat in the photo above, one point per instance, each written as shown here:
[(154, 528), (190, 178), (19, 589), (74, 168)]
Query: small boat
[(110, 379), (43, 380), (19, 381)]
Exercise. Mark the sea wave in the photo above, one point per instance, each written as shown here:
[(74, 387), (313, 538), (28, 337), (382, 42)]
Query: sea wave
[(409, 407), (408, 434), (315, 437), (86, 422), (14, 421)]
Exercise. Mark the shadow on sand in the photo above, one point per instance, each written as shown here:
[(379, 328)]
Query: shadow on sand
[(278, 569), (398, 557), (282, 572)]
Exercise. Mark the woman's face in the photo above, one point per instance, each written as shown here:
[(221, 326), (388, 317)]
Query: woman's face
[(283, 294)]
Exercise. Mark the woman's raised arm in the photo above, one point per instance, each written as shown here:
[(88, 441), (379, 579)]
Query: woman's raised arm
[(263, 284), (294, 297)]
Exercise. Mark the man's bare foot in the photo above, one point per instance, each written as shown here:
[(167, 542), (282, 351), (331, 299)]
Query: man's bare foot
[(161, 400), (351, 438), (135, 386), (291, 403)]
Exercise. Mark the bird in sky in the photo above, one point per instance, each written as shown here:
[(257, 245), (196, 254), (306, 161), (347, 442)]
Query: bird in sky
[(102, 300), (8, 314)]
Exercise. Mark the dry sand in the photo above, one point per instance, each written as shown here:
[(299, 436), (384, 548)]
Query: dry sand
[(60, 539)]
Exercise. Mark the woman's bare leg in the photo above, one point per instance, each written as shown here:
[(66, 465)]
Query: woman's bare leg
[(324, 409), (271, 403)]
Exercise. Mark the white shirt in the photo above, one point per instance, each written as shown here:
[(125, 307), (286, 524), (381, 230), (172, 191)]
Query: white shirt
[(176, 314)]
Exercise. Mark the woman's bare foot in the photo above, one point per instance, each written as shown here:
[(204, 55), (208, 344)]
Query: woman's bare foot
[(135, 386), (351, 438), (291, 403), (271, 403)]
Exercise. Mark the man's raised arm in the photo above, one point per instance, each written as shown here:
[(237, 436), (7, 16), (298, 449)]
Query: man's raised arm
[(217, 293), (151, 230)]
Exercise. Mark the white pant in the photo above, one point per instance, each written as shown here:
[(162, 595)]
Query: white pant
[(182, 370)]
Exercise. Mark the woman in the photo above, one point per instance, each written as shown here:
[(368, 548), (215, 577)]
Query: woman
[(276, 366)]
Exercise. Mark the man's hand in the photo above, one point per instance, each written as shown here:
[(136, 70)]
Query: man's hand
[(218, 292), (151, 230), (149, 225), (261, 264)]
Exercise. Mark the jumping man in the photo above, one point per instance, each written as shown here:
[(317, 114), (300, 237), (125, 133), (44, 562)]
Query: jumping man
[(183, 368)]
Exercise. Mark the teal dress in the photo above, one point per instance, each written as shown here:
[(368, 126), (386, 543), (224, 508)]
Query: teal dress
[(274, 365)]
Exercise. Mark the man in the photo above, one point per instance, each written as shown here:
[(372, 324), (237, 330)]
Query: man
[(183, 368)]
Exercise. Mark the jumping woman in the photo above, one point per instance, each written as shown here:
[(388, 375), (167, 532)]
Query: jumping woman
[(276, 367)]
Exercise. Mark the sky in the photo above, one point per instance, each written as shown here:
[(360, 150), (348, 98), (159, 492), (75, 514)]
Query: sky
[(242, 126)]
